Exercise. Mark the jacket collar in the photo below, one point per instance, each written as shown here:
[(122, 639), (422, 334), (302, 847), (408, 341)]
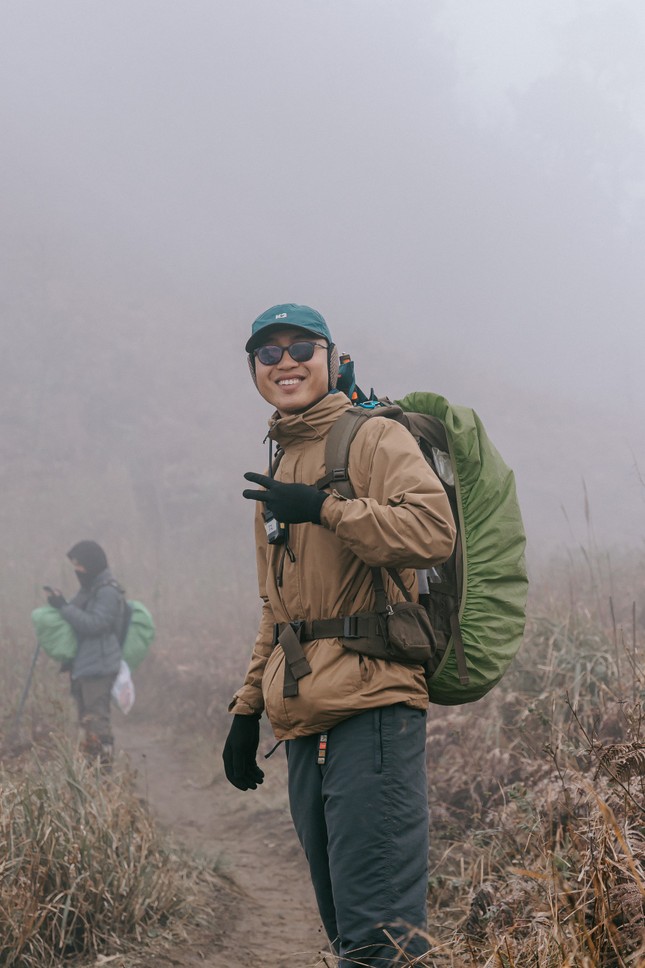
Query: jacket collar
[(313, 424), (103, 578), (84, 594)]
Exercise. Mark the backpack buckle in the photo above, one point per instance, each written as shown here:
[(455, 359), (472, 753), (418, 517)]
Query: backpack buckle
[(278, 627), (350, 627)]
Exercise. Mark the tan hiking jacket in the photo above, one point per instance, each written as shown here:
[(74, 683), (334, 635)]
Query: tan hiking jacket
[(400, 518)]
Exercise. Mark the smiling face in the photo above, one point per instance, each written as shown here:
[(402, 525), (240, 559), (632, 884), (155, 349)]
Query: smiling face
[(289, 386)]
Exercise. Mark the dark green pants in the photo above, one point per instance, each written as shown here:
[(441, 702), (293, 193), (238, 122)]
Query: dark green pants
[(92, 695), (362, 819)]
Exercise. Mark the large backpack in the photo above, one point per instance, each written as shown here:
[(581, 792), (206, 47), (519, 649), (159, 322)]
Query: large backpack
[(137, 629), (138, 633), (58, 639), (477, 599)]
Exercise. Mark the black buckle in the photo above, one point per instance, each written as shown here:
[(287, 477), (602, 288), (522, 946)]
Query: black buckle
[(350, 627), (338, 474), (296, 626)]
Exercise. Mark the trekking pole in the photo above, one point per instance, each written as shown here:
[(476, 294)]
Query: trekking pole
[(13, 733)]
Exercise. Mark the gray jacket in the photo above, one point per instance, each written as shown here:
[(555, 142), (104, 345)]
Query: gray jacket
[(96, 615)]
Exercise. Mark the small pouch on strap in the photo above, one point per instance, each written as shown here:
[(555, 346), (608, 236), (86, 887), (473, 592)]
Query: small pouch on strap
[(296, 665), (410, 635)]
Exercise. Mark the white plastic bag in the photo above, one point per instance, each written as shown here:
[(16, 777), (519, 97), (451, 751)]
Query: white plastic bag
[(123, 689)]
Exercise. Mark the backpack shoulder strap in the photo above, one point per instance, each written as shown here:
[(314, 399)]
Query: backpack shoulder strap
[(123, 621), (337, 445), (339, 440)]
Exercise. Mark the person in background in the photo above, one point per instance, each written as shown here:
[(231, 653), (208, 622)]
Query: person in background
[(355, 725), (96, 613)]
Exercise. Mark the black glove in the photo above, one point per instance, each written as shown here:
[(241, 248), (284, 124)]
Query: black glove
[(240, 749), (289, 503), (56, 600)]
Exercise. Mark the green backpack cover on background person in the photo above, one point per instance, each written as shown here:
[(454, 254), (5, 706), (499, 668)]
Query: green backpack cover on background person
[(139, 634), (55, 636), (58, 639), (477, 599)]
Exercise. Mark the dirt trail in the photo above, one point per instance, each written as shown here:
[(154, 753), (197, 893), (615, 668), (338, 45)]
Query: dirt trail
[(270, 918)]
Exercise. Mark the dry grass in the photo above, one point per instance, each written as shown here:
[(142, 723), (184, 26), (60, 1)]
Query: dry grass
[(538, 826), (84, 871), (82, 867), (537, 797)]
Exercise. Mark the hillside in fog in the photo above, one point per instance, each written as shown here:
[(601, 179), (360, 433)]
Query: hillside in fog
[(460, 193), (133, 417)]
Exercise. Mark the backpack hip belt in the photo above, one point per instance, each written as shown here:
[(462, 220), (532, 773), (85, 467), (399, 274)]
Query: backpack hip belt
[(364, 633)]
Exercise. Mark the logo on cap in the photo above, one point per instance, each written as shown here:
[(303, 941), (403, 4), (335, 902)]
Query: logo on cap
[(281, 316)]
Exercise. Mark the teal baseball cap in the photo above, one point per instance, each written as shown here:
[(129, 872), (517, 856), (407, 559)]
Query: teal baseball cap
[(287, 314)]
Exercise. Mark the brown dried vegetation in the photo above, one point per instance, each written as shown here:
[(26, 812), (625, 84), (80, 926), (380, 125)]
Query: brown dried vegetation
[(83, 868), (537, 797)]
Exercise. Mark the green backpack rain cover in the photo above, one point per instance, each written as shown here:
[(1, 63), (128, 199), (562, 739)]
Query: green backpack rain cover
[(58, 639), (139, 636), (55, 636), (477, 599)]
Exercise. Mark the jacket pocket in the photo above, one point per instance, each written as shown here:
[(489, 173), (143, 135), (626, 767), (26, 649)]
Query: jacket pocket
[(365, 667)]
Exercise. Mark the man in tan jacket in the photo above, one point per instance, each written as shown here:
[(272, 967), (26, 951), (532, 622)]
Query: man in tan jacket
[(354, 724)]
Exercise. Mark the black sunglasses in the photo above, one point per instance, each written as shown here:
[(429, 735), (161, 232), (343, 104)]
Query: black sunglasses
[(300, 352)]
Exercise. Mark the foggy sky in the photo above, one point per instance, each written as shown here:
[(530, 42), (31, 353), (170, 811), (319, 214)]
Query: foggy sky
[(457, 187)]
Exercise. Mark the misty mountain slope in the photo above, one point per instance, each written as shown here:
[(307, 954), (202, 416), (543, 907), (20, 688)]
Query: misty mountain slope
[(140, 419), (459, 191), (134, 418)]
